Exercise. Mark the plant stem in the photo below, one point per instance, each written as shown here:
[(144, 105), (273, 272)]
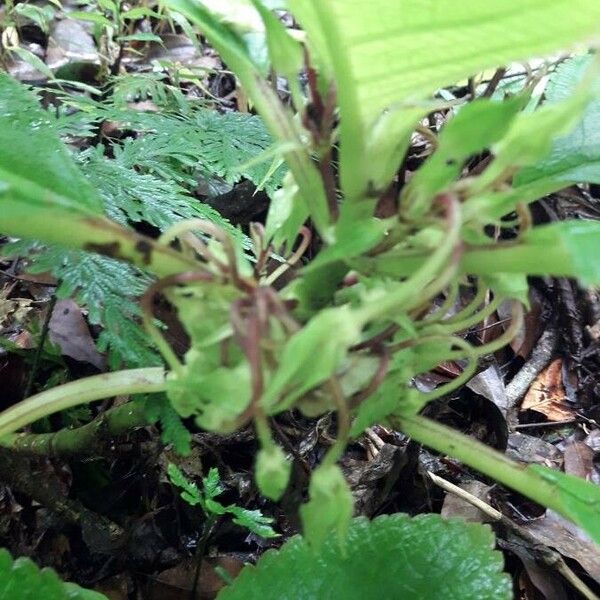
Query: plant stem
[(481, 457), (133, 381), (93, 234), (501, 258), (86, 440)]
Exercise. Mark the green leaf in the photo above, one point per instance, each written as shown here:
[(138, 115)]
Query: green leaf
[(574, 157), (253, 520), (31, 59), (272, 471), (199, 391), (576, 499), (190, 492), (285, 52), (419, 39), (277, 118), (390, 557), (139, 12), (47, 176), (107, 288), (385, 401), (93, 17), (211, 484), (299, 370), (287, 213), (329, 508), (508, 285), (355, 232), (475, 128), (531, 135), (579, 242), (226, 146), (40, 15), (21, 579), (173, 431), (140, 37), (388, 142), (131, 196)]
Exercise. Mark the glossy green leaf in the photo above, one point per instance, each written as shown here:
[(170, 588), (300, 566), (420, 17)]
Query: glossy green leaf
[(419, 43), (21, 579), (390, 557), (574, 157)]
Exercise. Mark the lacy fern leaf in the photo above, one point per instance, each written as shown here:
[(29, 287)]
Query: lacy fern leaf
[(131, 196)]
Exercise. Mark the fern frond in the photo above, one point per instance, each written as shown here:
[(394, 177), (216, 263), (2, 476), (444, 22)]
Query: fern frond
[(158, 408), (201, 142), (133, 196), (138, 87)]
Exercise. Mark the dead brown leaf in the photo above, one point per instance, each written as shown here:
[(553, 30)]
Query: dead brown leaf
[(178, 582), (68, 329), (579, 460), (547, 394)]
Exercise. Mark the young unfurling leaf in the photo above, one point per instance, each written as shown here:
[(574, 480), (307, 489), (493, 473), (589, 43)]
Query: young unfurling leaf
[(329, 508)]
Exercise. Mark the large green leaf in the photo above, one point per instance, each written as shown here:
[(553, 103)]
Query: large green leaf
[(574, 157), (389, 53), (391, 557), (35, 166), (23, 580)]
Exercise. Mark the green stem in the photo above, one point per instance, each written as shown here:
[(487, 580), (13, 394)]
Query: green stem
[(378, 305), (51, 225), (86, 440), (519, 258), (480, 457), (453, 326), (501, 258), (133, 381)]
